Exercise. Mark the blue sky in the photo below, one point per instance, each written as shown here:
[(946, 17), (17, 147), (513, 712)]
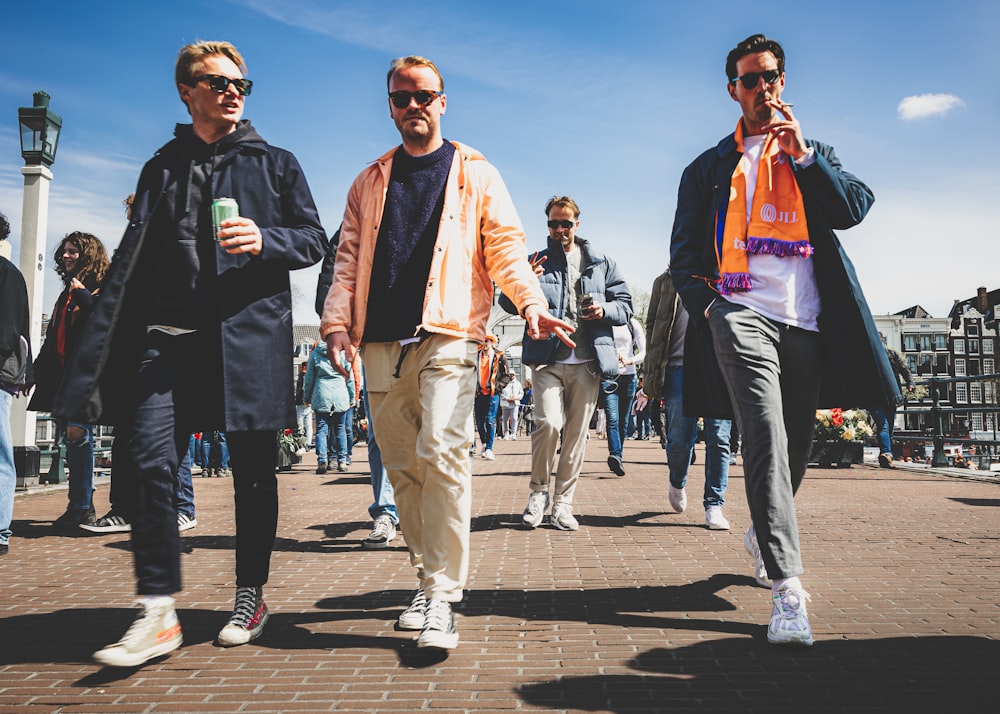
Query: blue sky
[(606, 102)]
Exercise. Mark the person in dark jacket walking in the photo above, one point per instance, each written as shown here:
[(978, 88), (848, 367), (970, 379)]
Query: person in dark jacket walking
[(774, 304), (193, 332), (16, 374), (81, 262)]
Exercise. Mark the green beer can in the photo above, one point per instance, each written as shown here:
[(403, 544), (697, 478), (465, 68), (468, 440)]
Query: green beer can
[(223, 208)]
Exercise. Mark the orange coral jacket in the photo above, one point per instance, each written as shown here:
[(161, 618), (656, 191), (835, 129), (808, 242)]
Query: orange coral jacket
[(480, 241)]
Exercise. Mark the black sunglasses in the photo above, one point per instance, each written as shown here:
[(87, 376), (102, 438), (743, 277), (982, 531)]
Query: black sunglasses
[(562, 224), (218, 83), (750, 79), (401, 99)]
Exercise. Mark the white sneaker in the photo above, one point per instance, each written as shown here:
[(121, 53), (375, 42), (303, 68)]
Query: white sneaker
[(488, 455), (185, 522), (414, 616), (538, 504), (678, 499), (383, 533), (154, 632), (562, 517), (439, 627), (753, 548), (715, 520), (789, 623)]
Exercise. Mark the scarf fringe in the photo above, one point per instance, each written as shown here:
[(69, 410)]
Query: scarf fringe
[(778, 247), (734, 283)]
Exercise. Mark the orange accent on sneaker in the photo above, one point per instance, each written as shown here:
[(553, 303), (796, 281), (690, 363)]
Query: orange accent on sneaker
[(168, 634)]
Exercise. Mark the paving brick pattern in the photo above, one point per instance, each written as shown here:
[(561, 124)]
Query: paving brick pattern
[(641, 610)]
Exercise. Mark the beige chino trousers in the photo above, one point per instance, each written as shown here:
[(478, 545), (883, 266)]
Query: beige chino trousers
[(565, 396), (422, 396)]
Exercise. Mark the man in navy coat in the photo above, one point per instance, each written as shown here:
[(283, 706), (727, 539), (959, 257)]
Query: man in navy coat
[(193, 332), (774, 305)]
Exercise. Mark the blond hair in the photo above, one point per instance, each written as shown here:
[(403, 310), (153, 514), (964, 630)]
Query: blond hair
[(191, 56), (412, 61)]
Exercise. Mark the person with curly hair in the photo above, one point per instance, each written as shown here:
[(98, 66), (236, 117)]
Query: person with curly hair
[(81, 263)]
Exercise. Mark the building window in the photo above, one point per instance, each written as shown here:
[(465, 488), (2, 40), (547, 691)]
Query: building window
[(942, 364), (959, 346), (972, 328), (988, 365), (909, 343), (959, 367), (987, 347), (961, 393), (911, 363), (973, 347), (976, 393), (977, 422), (989, 392), (925, 343)]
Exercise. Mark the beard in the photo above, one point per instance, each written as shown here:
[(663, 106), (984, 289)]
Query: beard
[(416, 132)]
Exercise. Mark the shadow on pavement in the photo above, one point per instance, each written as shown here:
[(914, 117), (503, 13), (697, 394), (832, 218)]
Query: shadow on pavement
[(832, 676)]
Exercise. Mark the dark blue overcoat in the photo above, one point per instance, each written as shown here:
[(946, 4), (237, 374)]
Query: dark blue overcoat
[(254, 306), (855, 370)]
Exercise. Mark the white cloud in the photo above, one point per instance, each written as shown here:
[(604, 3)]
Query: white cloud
[(920, 106)]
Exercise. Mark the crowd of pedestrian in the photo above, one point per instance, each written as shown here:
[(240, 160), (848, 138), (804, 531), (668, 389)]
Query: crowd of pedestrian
[(181, 341)]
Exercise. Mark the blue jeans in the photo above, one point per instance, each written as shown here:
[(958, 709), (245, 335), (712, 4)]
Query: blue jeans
[(617, 395), (185, 487), (644, 423), (331, 437), (682, 432), (80, 458), (349, 434), (385, 501), (206, 449), (8, 475), (486, 418), (884, 430)]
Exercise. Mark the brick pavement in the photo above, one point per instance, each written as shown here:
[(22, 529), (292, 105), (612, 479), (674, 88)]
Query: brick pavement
[(641, 610)]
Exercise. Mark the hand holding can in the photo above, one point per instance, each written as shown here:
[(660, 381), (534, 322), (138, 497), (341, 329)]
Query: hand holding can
[(223, 209)]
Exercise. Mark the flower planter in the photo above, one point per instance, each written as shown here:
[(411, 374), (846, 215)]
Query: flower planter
[(287, 459), (830, 454)]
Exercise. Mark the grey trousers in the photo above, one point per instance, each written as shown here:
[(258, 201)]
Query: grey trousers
[(772, 372)]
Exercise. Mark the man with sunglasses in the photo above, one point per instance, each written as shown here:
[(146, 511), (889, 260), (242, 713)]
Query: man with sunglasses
[(427, 229), (774, 304), (193, 332), (586, 288)]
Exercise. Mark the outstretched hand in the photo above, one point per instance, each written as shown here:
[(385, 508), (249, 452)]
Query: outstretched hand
[(542, 325)]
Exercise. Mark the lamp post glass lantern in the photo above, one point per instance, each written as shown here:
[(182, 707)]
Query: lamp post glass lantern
[(40, 128)]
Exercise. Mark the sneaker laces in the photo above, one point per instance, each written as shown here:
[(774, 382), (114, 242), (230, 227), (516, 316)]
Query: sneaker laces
[(381, 530), (245, 607), (438, 616), (418, 604), (791, 602), (536, 503)]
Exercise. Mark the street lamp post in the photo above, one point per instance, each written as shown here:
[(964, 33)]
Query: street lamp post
[(40, 129)]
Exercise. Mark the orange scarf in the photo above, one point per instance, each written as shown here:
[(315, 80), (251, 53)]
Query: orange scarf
[(777, 218)]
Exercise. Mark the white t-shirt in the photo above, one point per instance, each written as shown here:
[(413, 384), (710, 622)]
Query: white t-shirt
[(784, 289)]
